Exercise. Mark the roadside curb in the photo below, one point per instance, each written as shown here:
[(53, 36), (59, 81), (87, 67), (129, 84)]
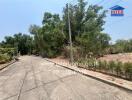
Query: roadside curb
[(6, 65), (94, 77)]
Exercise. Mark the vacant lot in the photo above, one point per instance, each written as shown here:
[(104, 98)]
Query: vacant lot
[(123, 57)]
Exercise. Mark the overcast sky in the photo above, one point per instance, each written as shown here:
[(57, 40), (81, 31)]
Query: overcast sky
[(17, 15)]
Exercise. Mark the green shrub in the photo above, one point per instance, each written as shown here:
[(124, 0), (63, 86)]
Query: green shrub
[(100, 65), (128, 70), (92, 63), (6, 54), (115, 68), (118, 68), (111, 66), (75, 50), (4, 58), (104, 65)]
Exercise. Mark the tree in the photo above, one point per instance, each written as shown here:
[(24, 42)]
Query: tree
[(36, 32), (50, 37), (22, 42), (121, 46), (77, 14), (87, 26)]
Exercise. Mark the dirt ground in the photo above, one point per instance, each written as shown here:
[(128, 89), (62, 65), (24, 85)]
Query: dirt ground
[(123, 57)]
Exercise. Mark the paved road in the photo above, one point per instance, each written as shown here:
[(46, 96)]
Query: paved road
[(33, 78)]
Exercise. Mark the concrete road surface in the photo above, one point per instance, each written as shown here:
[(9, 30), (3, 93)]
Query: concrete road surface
[(33, 78)]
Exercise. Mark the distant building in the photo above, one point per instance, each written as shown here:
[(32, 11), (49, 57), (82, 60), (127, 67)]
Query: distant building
[(117, 11)]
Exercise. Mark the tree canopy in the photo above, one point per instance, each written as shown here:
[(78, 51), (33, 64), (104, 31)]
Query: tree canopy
[(22, 42), (86, 26)]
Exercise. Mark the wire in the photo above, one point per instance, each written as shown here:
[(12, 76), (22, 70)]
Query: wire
[(120, 20), (119, 1), (72, 1), (103, 1), (116, 3), (100, 2)]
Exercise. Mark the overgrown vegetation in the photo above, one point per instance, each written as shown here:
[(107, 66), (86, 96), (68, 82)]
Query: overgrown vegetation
[(52, 38), (89, 42), (21, 42), (12, 45), (123, 70), (6, 54), (86, 25), (121, 46)]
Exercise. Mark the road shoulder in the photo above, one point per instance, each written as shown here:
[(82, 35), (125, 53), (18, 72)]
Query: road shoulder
[(7, 64), (120, 83)]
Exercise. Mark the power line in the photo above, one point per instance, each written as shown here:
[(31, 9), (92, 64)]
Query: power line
[(100, 2), (71, 1), (103, 2), (119, 1), (120, 20), (116, 3), (97, 3)]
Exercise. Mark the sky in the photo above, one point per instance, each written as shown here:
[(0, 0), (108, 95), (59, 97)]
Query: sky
[(17, 16)]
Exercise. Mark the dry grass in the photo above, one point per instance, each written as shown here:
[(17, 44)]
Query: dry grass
[(123, 57)]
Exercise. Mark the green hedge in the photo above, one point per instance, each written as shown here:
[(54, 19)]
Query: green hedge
[(4, 58), (123, 70), (6, 54)]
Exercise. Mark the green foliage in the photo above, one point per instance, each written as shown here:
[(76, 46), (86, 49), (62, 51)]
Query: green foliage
[(128, 70), (75, 50), (121, 46), (6, 54), (87, 26), (92, 63), (89, 41), (4, 58), (95, 44), (102, 65), (7, 50), (21, 42), (119, 68), (50, 37), (111, 66), (123, 70)]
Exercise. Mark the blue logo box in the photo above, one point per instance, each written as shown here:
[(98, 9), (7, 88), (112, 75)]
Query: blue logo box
[(117, 11)]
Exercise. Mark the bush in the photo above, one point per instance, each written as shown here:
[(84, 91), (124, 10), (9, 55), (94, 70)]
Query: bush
[(9, 51), (118, 68), (99, 65), (6, 54), (4, 58), (128, 70), (113, 68), (92, 64), (76, 55), (102, 65)]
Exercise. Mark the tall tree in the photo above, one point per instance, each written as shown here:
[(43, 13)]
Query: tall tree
[(22, 42), (50, 38), (87, 26)]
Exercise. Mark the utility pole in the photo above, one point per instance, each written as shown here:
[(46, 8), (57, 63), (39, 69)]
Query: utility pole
[(70, 39)]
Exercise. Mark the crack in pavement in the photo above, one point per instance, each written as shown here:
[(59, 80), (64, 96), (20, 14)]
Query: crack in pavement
[(32, 72), (22, 86)]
